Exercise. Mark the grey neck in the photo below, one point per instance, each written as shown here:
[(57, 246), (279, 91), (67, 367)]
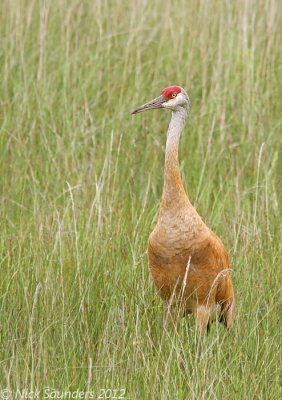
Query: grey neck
[(175, 129)]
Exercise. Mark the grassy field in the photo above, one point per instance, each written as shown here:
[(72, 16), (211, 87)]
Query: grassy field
[(81, 181)]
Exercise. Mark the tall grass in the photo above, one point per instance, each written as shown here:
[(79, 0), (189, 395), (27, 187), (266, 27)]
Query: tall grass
[(81, 181)]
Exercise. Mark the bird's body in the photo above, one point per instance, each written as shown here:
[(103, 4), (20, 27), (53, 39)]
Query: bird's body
[(188, 262)]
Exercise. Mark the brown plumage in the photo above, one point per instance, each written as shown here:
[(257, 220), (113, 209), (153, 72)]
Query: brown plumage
[(188, 262)]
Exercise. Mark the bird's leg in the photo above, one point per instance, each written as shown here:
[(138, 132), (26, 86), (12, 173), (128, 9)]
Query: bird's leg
[(202, 316), (227, 314), (208, 327)]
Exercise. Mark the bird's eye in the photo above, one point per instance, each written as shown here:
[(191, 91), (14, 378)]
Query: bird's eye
[(173, 95)]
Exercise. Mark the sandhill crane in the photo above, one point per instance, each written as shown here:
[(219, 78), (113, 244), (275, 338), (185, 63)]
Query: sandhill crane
[(188, 262)]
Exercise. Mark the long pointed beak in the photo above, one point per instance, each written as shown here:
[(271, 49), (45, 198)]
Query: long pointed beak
[(156, 103)]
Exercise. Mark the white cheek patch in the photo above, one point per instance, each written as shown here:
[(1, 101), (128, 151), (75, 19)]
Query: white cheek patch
[(170, 103), (173, 103), (180, 98)]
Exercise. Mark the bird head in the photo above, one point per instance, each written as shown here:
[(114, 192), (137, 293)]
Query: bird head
[(172, 97)]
